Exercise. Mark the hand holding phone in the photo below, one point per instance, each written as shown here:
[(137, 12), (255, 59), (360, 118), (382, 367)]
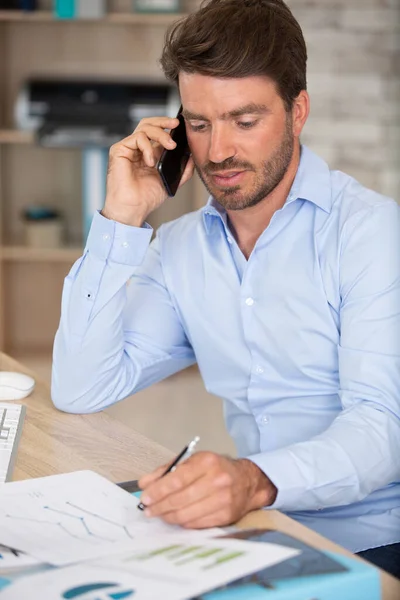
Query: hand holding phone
[(134, 187), (172, 163)]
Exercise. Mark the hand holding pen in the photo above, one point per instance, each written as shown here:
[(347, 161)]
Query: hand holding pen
[(185, 453), (209, 490)]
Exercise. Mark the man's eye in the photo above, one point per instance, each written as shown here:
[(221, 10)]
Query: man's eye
[(200, 127), (247, 124)]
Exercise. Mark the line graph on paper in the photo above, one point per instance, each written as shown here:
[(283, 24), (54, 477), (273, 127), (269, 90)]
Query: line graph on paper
[(66, 518)]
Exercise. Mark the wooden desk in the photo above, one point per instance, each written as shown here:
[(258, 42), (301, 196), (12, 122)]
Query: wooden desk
[(54, 442)]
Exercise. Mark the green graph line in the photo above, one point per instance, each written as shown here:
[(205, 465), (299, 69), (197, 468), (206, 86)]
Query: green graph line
[(223, 559), (183, 552), (153, 553), (200, 555)]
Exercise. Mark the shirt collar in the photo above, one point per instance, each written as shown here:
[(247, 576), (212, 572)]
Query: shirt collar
[(312, 183)]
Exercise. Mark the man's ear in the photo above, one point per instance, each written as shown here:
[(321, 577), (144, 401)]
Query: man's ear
[(300, 112)]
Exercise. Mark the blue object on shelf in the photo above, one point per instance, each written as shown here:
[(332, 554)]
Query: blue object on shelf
[(65, 9), (40, 213)]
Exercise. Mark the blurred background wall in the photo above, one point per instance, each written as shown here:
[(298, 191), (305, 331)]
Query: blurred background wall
[(354, 83)]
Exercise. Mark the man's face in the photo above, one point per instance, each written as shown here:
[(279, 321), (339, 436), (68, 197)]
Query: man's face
[(240, 136)]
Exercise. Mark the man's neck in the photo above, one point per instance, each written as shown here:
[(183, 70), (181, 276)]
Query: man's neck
[(247, 225)]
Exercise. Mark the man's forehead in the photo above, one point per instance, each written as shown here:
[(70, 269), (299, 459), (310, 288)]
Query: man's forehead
[(189, 80), (244, 109), (223, 97)]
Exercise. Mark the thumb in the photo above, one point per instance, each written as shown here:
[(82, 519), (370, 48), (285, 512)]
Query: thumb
[(146, 480)]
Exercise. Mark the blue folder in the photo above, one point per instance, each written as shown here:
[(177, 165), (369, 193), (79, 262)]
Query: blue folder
[(312, 575)]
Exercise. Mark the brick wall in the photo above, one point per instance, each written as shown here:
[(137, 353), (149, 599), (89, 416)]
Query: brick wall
[(354, 84)]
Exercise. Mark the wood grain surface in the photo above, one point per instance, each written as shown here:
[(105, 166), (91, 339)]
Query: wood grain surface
[(55, 442)]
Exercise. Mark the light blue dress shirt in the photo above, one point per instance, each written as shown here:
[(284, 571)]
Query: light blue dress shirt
[(302, 341)]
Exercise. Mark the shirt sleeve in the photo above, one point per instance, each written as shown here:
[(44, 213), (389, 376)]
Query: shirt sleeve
[(359, 453), (119, 331)]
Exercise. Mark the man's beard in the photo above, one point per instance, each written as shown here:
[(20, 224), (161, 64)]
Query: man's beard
[(270, 175)]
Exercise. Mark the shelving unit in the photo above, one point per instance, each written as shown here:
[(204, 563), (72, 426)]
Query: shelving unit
[(121, 46), (39, 16), (13, 136)]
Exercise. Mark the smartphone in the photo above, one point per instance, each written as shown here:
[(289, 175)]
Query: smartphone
[(172, 163)]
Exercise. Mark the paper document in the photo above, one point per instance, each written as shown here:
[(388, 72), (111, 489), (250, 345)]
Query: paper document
[(15, 561), (69, 518), (172, 569)]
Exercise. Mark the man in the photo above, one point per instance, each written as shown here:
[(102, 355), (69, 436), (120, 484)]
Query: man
[(285, 289)]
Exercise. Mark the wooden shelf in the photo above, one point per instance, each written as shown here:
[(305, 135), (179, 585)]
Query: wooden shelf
[(13, 136), (49, 255), (40, 16)]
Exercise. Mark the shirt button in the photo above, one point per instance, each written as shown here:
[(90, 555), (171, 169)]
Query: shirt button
[(258, 369), (125, 244), (249, 301), (106, 237), (264, 419), (229, 240)]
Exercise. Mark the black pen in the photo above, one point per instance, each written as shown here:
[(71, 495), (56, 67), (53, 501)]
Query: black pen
[(12, 550), (187, 451)]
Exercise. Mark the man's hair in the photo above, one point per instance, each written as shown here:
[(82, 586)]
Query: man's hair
[(240, 38)]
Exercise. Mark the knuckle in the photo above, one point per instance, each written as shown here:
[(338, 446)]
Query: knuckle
[(142, 123), (177, 481), (141, 136), (223, 479), (209, 459), (113, 150)]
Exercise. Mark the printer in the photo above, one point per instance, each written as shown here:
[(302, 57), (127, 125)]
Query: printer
[(81, 113)]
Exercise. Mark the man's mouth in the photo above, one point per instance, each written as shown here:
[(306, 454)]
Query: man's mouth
[(228, 178)]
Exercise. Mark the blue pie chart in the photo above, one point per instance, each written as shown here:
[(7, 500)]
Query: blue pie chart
[(98, 591)]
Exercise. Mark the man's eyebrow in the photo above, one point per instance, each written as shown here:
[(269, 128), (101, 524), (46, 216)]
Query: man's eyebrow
[(248, 109), (251, 108), (193, 116)]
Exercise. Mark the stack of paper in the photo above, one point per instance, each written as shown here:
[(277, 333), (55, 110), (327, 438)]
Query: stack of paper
[(104, 547)]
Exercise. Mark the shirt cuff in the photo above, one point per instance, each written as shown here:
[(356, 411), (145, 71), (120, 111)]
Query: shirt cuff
[(118, 243), (281, 469)]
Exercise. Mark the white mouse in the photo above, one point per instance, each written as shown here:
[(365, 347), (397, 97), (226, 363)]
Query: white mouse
[(15, 386)]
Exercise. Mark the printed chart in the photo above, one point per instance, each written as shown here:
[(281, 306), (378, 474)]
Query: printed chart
[(67, 518)]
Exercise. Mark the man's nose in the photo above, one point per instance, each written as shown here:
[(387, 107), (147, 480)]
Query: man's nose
[(221, 144)]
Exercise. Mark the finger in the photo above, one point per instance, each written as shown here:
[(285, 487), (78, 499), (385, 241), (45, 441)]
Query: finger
[(147, 479), (170, 484), (206, 504), (145, 141), (199, 490), (158, 135), (184, 475), (160, 122), (144, 145), (219, 518), (188, 172)]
